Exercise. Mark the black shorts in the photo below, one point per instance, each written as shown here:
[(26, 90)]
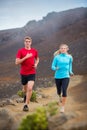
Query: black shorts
[(26, 78)]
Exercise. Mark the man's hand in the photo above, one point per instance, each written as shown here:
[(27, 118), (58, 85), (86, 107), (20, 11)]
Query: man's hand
[(28, 55), (35, 65), (19, 61)]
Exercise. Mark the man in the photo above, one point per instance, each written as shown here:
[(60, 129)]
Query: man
[(28, 58)]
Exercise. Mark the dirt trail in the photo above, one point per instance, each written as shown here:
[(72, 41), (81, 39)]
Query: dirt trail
[(72, 105)]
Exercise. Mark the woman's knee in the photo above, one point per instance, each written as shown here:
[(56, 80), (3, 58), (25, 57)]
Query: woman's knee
[(64, 94)]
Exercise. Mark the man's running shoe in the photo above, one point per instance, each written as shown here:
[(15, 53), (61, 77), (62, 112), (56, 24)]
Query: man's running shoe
[(25, 108)]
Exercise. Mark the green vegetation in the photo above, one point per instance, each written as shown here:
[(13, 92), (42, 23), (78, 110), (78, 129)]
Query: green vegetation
[(33, 97), (52, 108), (20, 93), (35, 121), (39, 119)]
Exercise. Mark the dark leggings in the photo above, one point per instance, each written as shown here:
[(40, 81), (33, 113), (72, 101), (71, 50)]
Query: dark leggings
[(62, 85)]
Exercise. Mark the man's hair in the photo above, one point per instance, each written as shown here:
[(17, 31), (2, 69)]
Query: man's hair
[(29, 38)]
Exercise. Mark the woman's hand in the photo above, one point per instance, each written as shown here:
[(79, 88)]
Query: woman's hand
[(57, 68), (71, 74)]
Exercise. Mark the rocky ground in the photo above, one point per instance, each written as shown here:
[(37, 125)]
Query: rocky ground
[(74, 118)]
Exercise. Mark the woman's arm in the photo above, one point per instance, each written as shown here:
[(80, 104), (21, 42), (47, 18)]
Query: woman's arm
[(54, 64), (70, 66)]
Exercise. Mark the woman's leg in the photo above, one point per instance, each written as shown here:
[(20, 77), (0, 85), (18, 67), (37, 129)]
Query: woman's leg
[(58, 86), (65, 83)]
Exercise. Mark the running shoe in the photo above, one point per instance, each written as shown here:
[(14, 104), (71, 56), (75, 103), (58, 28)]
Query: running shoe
[(25, 108), (62, 109)]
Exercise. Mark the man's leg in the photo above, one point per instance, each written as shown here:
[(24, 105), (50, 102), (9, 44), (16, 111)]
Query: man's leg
[(24, 92), (24, 88), (30, 85), (28, 88)]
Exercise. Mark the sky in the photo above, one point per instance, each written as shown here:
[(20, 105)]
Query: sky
[(16, 13)]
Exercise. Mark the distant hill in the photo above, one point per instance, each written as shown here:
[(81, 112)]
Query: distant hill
[(68, 27)]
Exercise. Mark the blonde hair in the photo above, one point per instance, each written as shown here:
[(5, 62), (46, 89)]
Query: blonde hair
[(58, 51), (64, 45)]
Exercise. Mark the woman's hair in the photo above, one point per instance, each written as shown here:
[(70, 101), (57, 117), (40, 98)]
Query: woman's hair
[(58, 51), (64, 45)]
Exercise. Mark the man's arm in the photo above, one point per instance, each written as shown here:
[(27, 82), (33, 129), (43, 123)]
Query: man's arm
[(36, 62), (19, 61)]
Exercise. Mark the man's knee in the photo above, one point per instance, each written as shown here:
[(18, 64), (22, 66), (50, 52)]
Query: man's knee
[(30, 85), (30, 88)]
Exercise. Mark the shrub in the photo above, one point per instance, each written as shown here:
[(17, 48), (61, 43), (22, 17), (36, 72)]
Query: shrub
[(20, 93), (34, 96), (39, 119), (35, 121), (52, 108)]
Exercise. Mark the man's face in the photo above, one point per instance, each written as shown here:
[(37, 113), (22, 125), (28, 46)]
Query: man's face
[(27, 43)]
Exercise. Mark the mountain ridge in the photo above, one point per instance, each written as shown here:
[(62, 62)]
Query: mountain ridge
[(68, 27)]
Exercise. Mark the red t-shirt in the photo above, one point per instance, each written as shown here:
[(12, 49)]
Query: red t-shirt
[(27, 66)]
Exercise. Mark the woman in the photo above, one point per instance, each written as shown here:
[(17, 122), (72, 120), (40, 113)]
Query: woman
[(62, 65)]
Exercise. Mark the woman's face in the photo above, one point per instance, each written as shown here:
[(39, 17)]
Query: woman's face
[(63, 49)]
